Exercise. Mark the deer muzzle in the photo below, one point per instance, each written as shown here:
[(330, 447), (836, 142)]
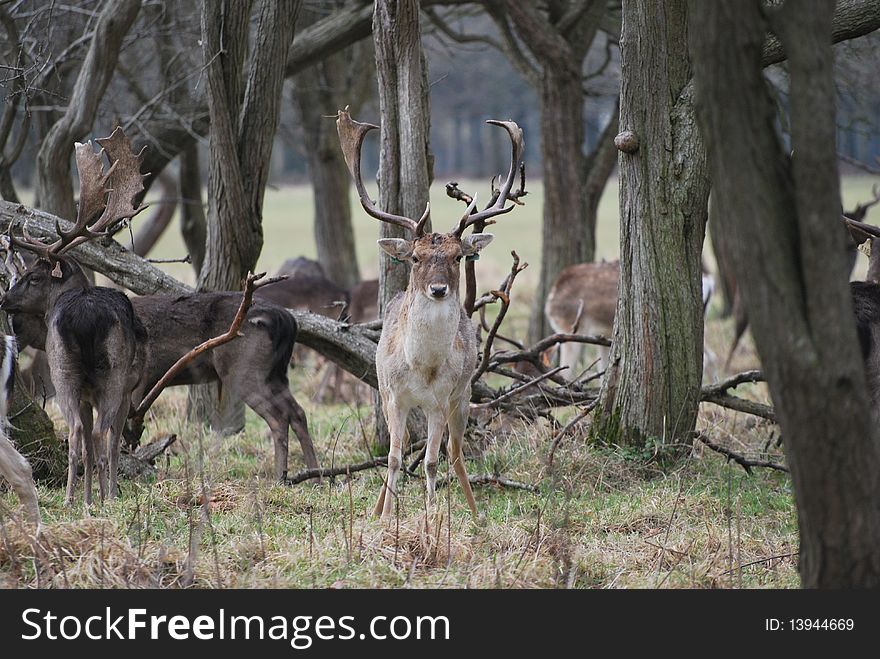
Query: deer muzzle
[(438, 291)]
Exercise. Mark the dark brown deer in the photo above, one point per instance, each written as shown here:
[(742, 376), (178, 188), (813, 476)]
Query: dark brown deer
[(253, 367), (741, 320), (13, 467), (428, 348), (94, 341)]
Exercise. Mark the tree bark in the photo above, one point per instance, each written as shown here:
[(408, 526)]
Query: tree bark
[(339, 80), (193, 224), (779, 218), (152, 229), (651, 388), (404, 161), (54, 187), (244, 117)]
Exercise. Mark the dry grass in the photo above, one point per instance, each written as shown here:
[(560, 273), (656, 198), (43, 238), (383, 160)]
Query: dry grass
[(604, 517)]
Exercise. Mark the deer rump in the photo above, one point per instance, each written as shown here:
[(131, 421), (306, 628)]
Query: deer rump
[(263, 353), (99, 332)]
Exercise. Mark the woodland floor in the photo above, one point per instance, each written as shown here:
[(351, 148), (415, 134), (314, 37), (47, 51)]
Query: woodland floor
[(603, 517)]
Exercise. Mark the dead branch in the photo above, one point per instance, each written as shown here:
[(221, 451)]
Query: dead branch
[(497, 481), (504, 296), (718, 394), (743, 461), (252, 283), (530, 382), (344, 470)]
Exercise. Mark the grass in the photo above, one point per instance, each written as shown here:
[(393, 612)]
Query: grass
[(603, 518)]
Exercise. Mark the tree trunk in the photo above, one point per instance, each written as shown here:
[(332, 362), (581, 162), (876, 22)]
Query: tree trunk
[(559, 40), (405, 163), (779, 218), (566, 236), (193, 225), (651, 388), (244, 117), (339, 80), (152, 229), (54, 187)]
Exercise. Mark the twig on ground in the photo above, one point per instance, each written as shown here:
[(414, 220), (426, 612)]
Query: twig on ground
[(309, 474), (498, 481), (743, 461)]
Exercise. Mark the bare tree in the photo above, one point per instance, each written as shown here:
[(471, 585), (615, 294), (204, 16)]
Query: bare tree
[(779, 216), (339, 79), (652, 386), (54, 190), (244, 98), (558, 36)]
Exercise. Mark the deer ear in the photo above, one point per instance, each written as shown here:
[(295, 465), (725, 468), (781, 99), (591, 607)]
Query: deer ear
[(473, 243), (396, 248), (858, 235)]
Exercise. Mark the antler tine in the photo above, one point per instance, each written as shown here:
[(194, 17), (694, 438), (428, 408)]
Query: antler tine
[(28, 243), (126, 183), (498, 207), (351, 138)]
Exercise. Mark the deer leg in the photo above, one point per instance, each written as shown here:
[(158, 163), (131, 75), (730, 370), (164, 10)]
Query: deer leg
[(395, 416), (300, 426), (436, 427), (457, 425), (569, 355), (15, 469), (113, 436)]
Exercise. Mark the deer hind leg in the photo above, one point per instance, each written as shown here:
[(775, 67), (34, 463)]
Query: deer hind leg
[(457, 425), (569, 355), (395, 416), (109, 432), (15, 469), (436, 428)]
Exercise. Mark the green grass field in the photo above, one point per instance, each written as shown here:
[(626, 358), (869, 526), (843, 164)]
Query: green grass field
[(602, 518)]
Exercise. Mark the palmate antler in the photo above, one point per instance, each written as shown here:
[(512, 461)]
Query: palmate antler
[(100, 207), (351, 137)]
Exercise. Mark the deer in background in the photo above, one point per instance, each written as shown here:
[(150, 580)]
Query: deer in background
[(94, 341), (583, 299), (741, 320), (13, 467), (428, 348)]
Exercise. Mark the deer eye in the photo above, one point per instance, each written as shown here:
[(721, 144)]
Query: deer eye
[(459, 258), (415, 259)]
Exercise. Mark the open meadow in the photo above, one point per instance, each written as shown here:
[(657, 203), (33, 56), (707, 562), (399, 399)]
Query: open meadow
[(601, 517)]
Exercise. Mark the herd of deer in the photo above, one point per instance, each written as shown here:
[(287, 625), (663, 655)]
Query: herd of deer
[(106, 350)]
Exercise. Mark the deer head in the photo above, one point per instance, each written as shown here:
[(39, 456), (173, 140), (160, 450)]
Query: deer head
[(106, 198), (435, 257)]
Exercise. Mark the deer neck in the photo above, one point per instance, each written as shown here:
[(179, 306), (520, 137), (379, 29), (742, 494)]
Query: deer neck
[(431, 327)]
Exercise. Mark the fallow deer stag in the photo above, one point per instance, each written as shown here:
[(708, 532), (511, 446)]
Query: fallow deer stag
[(584, 299), (13, 467), (252, 368), (428, 348), (94, 340)]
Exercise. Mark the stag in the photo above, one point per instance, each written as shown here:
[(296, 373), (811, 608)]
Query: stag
[(428, 348), (94, 341), (252, 368)]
